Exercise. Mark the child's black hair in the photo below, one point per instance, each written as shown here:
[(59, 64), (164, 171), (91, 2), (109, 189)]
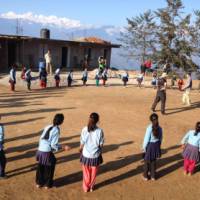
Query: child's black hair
[(58, 120), (94, 118), (155, 127), (197, 129)]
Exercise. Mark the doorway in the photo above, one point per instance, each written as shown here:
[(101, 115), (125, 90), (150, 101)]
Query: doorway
[(12, 46), (64, 56)]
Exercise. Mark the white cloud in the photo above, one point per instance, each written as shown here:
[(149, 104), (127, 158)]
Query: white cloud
[(114, 30), (61, 22)]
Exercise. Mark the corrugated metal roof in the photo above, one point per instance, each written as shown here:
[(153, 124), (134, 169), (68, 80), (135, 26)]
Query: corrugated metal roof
[(90, 41)]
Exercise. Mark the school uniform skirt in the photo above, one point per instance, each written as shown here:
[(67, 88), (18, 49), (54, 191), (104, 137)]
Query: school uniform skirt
[(191, 153), (84, 78), (125, 79), (45, 169), (153, 151), (92, 162)]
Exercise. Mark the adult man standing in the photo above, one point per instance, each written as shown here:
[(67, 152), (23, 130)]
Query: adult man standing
[(161, 93), (48, 60), (186, 89)]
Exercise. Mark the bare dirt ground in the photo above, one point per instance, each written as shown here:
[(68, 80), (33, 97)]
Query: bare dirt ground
[(124, 116)]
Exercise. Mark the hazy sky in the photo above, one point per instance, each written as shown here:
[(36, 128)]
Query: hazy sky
[(98, 12)]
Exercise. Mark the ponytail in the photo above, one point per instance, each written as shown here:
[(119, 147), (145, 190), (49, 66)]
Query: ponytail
[(46, 136), (58, 120), (155, 126), (155, 130), (94, 118)]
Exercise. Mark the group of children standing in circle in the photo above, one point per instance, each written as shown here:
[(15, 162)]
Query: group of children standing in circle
[(26, 75), (91, 150)]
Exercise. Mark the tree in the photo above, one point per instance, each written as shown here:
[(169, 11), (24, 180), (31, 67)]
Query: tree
[(166, 35), (174, 31), (139, 36)]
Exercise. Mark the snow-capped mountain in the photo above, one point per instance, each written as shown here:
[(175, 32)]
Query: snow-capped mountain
[(29, 24)]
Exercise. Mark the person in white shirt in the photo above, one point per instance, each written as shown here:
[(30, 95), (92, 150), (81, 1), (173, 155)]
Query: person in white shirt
[(48, 59), (12, 79), (91, 143), (125, 77), (140, 78), (186, 89), (70, 78), (49, 143), (57, 77), (105, 76), (28, 78), (85, 76)]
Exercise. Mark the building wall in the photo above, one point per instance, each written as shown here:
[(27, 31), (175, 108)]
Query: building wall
[(29, 52), (3, 56), (78, 54)]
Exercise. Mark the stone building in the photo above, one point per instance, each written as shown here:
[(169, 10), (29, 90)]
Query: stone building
[(28, 51)]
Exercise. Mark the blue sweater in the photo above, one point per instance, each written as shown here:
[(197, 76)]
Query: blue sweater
[(149, 137), (50, 144), (190, 138)]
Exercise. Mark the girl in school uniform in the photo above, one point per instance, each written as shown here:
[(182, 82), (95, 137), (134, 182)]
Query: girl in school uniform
[(2, 153), (152, 147), (28, 78), (191, 148), (23, 72), (12, 79), (91, 143), (85, 76), (98, 77), (125, 77), (57, 77), (43, 78), (105, 76), (140, 78), (47, 145), (154, 80), (70, 78)]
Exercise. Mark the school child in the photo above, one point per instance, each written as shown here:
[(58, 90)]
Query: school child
[(154, 80), (191, 148), (28, 78), (173, 80), (186, 89), (23, 73), (105, 76), (91, 144), (140, 78), (70, 78), (125, 77), (48, 144), (12, 79), (180, 84), (102, 64), (57, 77), (98, 77), (152, 147), (2, 153), (85, 76), (43, 78)]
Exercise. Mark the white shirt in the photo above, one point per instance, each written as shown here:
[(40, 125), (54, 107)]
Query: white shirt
[(48, 57), (51, 143), (92, 142)]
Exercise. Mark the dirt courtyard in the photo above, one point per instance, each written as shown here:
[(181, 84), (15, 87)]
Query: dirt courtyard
[(124, 116)]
